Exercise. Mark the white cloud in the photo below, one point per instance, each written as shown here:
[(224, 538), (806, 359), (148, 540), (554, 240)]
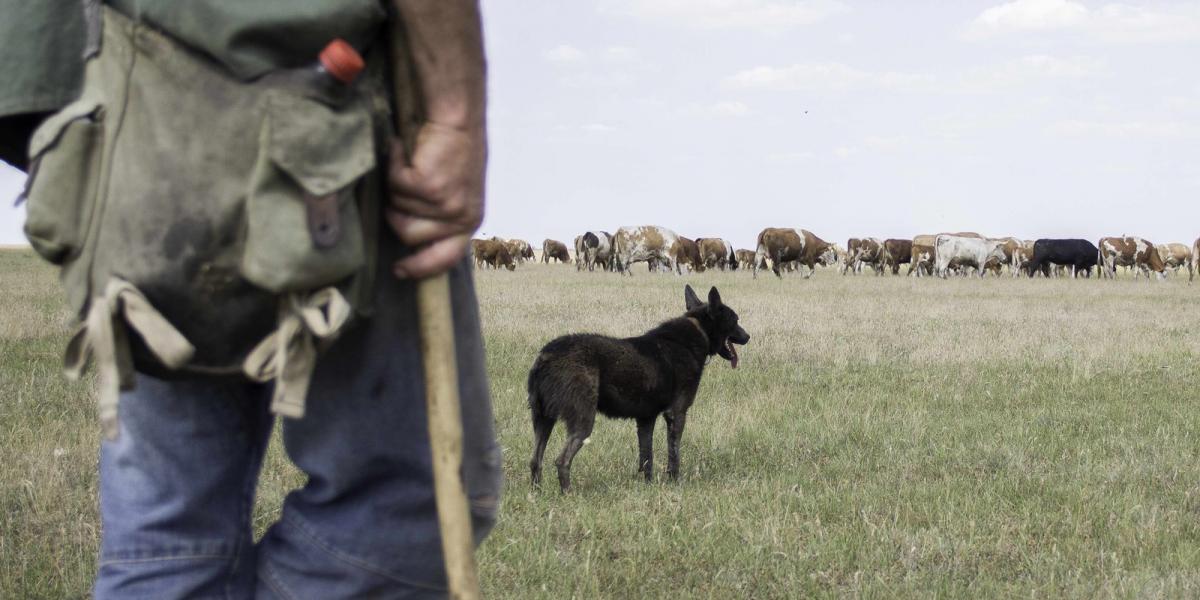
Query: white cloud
[(727, 109), (790, 158), (620, 54), (1116, 23), (1026, 70), (838, 77), (1033, 14), (827, 77), (564, 53), (605, 80), (885, 144), (772, 15), (1123, 129), (597, 128)]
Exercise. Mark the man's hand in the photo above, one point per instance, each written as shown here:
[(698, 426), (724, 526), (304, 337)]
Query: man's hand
[(436, 199), (436, 203)]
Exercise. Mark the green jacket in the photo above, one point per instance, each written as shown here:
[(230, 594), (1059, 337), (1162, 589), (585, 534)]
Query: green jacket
[(44, 45)]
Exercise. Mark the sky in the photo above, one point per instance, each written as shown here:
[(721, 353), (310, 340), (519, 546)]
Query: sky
[(717, 118)]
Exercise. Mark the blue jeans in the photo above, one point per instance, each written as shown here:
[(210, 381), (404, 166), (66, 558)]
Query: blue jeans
[(177, 486)]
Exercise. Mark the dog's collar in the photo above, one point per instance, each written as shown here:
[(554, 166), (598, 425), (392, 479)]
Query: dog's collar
[(696, 322)]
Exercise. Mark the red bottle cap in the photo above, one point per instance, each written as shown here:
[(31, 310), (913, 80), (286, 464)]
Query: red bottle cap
[(341, 60)]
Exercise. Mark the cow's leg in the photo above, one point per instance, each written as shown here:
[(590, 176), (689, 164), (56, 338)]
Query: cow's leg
[(645, 432), (675, 423), (542, 426), (775, 266), (577, 434)]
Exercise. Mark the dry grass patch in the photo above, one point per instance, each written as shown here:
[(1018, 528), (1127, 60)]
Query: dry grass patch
[(883, 437)]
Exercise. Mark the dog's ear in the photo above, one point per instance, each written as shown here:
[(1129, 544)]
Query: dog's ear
[(690, 299), (714, 299)]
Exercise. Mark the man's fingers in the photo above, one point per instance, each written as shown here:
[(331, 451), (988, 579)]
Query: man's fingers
[(414, 231), (433, 259), (404, 179), (418, 207)]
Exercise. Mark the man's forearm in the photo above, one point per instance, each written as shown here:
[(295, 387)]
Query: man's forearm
[(446, 39)]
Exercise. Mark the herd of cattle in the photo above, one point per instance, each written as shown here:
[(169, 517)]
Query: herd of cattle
[(784, 249)]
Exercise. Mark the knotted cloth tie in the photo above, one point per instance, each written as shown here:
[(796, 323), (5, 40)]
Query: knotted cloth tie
[(104, 338), (289, 354)]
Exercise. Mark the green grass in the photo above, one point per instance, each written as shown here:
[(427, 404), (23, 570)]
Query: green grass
[(882, 438)]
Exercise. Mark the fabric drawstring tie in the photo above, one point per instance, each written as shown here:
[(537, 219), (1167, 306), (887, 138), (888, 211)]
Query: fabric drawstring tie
[(289, 354), (103, 338)]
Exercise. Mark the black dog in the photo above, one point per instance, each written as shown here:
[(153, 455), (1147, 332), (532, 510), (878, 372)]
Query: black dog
[(632, 378)]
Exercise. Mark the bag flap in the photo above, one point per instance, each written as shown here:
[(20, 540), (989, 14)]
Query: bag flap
[(51, 129), (323, 149)]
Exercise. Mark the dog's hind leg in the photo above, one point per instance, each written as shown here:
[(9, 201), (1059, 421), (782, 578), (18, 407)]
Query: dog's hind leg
[(675, 424), (542, 426), (577, 433), (645, 431)]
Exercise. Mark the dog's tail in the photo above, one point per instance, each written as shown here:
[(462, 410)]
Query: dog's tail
[(536, 408)]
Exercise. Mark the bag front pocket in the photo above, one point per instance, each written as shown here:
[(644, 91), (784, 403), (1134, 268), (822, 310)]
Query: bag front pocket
[(65, 155), (302, 216)]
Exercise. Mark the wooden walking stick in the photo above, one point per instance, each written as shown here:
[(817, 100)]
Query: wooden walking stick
[(436, 323)]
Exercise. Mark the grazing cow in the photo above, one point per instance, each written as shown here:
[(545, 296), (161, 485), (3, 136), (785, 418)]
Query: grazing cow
[(556, 250), (648, 243), (1195, 259), (493, 253), (921, 259), (964, 251), (716, 253), (594, 248), (1129, 251), (782, 244), (519, 250), (1079, 255), (1176, 256), (1011, 247), (896, 252), (687, 254), (1021, 258), (860, 251), (745, 259)]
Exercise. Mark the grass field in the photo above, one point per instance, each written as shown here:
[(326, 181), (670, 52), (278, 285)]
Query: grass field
[(882, 438)]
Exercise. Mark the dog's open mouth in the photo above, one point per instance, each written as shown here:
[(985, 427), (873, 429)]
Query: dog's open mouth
[(732, 351)]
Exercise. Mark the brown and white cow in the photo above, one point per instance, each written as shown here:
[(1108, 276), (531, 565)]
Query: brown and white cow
[(1010, 246), (716, 253), (519, 250), (493, 253), (745, 259), (1021, 258), (1129, 251), (863, 251), (1176, 256), (782, 244), (922, 254), (896, 252), (1195, 259), (554, 249), (687, 254), (647, 243), (579, 262)]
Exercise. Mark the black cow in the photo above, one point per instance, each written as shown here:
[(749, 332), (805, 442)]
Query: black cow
[(1080, 255)]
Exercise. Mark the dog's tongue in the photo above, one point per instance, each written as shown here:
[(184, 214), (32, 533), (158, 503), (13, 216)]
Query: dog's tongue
[(733, 357)]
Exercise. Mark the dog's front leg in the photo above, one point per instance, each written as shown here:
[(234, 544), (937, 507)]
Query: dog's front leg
[(675, 424), (645, 431)]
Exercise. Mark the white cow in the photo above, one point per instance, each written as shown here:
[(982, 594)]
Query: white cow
[(965, 251), (649, 243)]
